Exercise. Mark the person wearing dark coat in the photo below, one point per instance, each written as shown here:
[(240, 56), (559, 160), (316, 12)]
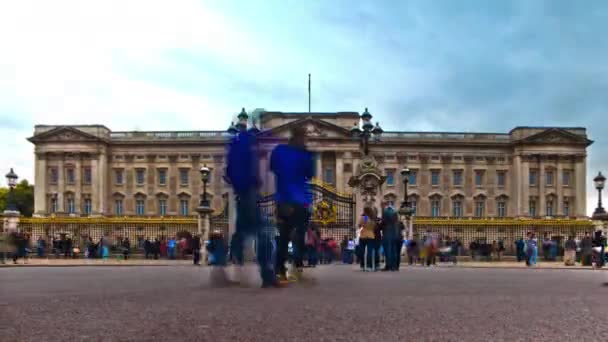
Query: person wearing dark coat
[(147, 248), (196, 250), (126, 248)]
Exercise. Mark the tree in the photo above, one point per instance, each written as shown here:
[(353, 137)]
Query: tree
[(23, 195)]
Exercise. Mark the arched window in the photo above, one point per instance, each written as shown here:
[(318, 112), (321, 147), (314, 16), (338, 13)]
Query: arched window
[(501, 206), (457, 204), (435, 205), (480, 206)]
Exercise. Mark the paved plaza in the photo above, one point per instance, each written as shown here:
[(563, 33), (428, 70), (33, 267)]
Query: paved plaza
[(175, 303)]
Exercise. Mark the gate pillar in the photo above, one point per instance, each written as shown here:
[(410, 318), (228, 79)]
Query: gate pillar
[(366, 184)]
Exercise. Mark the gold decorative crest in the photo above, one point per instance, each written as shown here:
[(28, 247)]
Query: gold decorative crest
[(324, 213)]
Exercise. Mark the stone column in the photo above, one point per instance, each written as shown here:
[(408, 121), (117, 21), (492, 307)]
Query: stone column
[(319, 166), (339, 172), (525, 188), (542, 208), (79, 177), (95, 196), (60, 185), (559, 187), (41, 187), (515, 183), (580, 174), (101, 181)]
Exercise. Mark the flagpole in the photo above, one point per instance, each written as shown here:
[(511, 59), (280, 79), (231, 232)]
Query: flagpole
[(309, 93)]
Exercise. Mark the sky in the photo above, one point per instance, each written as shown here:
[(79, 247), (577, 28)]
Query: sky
[(191, 65)]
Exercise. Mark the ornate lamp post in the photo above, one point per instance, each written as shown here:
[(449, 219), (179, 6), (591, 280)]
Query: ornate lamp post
[(204, 210), (368, 131), (205, 178), (405, 211), (599, 212), (11, 179), (243, 117), (11, 214)]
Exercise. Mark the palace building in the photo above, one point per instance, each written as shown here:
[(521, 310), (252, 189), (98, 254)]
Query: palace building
[(526, 172)]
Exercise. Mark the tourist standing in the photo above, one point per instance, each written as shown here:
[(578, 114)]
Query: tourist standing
[(390, 234), (367, 223), (40, 247), (570, 252), (312, 242), (171, 248), (292, 165), (586, 250), (196, 250), (519, 248), (147, 248), (126, 248)]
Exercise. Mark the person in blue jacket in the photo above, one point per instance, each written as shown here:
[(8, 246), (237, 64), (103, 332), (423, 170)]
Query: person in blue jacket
[(292, 165), (242, 172)]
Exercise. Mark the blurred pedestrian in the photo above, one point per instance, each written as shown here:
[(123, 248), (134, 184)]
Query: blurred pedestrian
[(292, 165), (40, 247), (390, 234), (586, 250), (171, 245), (242, 172), (126, 248), (570, 252), (196, 250)]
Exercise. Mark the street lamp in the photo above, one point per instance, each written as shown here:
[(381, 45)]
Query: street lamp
[(243, 117), (205, 178), (368, 130), (405, 206), (232, 129), (11, 179), (599, 181)]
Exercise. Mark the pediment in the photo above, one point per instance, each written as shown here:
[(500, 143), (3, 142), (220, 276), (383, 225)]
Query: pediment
[(556, 136), (64, 134), (315, 128)]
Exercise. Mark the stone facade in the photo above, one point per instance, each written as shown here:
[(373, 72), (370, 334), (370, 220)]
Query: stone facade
[(90, 170)]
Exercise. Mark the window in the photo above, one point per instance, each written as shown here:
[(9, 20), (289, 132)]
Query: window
[(71, 207), (566, 178), (53, 205), (532, 205), (434, 158), (549, 178), (87, 206), (500, 178), (118, 177), (412, 178), (87, 178), (435, 207), (457, 177), (566, 207), (162, 207), (348, 167), (162, 177), (140, 176), (435, 177), (54, 175), (70, 176), (140, 207), (183, 207), (413, 205), (412, 158), (501, 207), (457, 207), (183, 176), (390, 177), (550, 207), (478, 178), (329, 176), (118, 207), (480, 207), (533, 174)]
